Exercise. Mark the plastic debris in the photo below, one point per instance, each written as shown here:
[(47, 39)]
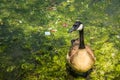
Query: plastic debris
[(47, 33)]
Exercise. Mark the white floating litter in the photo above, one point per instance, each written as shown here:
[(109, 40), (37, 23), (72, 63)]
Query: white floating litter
[(47, 33)]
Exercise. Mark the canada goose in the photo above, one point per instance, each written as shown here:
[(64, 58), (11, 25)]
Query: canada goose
[(80, 57)]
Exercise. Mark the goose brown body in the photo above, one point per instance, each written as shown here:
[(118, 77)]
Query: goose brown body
[(80, 57), (80, 60)]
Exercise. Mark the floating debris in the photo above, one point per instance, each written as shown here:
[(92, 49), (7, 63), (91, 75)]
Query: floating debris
[(47, 33), (53, 30)]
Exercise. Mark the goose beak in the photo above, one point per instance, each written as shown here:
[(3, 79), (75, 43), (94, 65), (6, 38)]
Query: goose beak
[(71, 30)]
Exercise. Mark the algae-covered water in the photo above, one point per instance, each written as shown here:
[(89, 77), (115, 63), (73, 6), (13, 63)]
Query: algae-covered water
[(34, 41)]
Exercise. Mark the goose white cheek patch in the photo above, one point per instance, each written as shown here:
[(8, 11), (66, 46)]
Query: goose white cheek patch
[(80, 27)]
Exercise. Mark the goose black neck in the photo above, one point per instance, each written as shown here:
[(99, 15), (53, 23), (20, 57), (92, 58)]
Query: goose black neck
[(81, 35)]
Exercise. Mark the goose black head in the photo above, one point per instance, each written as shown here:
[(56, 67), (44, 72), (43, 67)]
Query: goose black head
[(77, 26)]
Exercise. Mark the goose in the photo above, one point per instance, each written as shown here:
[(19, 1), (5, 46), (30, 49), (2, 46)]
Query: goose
[(80, 57)]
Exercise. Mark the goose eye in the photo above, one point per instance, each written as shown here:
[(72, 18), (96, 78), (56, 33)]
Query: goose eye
[(75, 27)]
